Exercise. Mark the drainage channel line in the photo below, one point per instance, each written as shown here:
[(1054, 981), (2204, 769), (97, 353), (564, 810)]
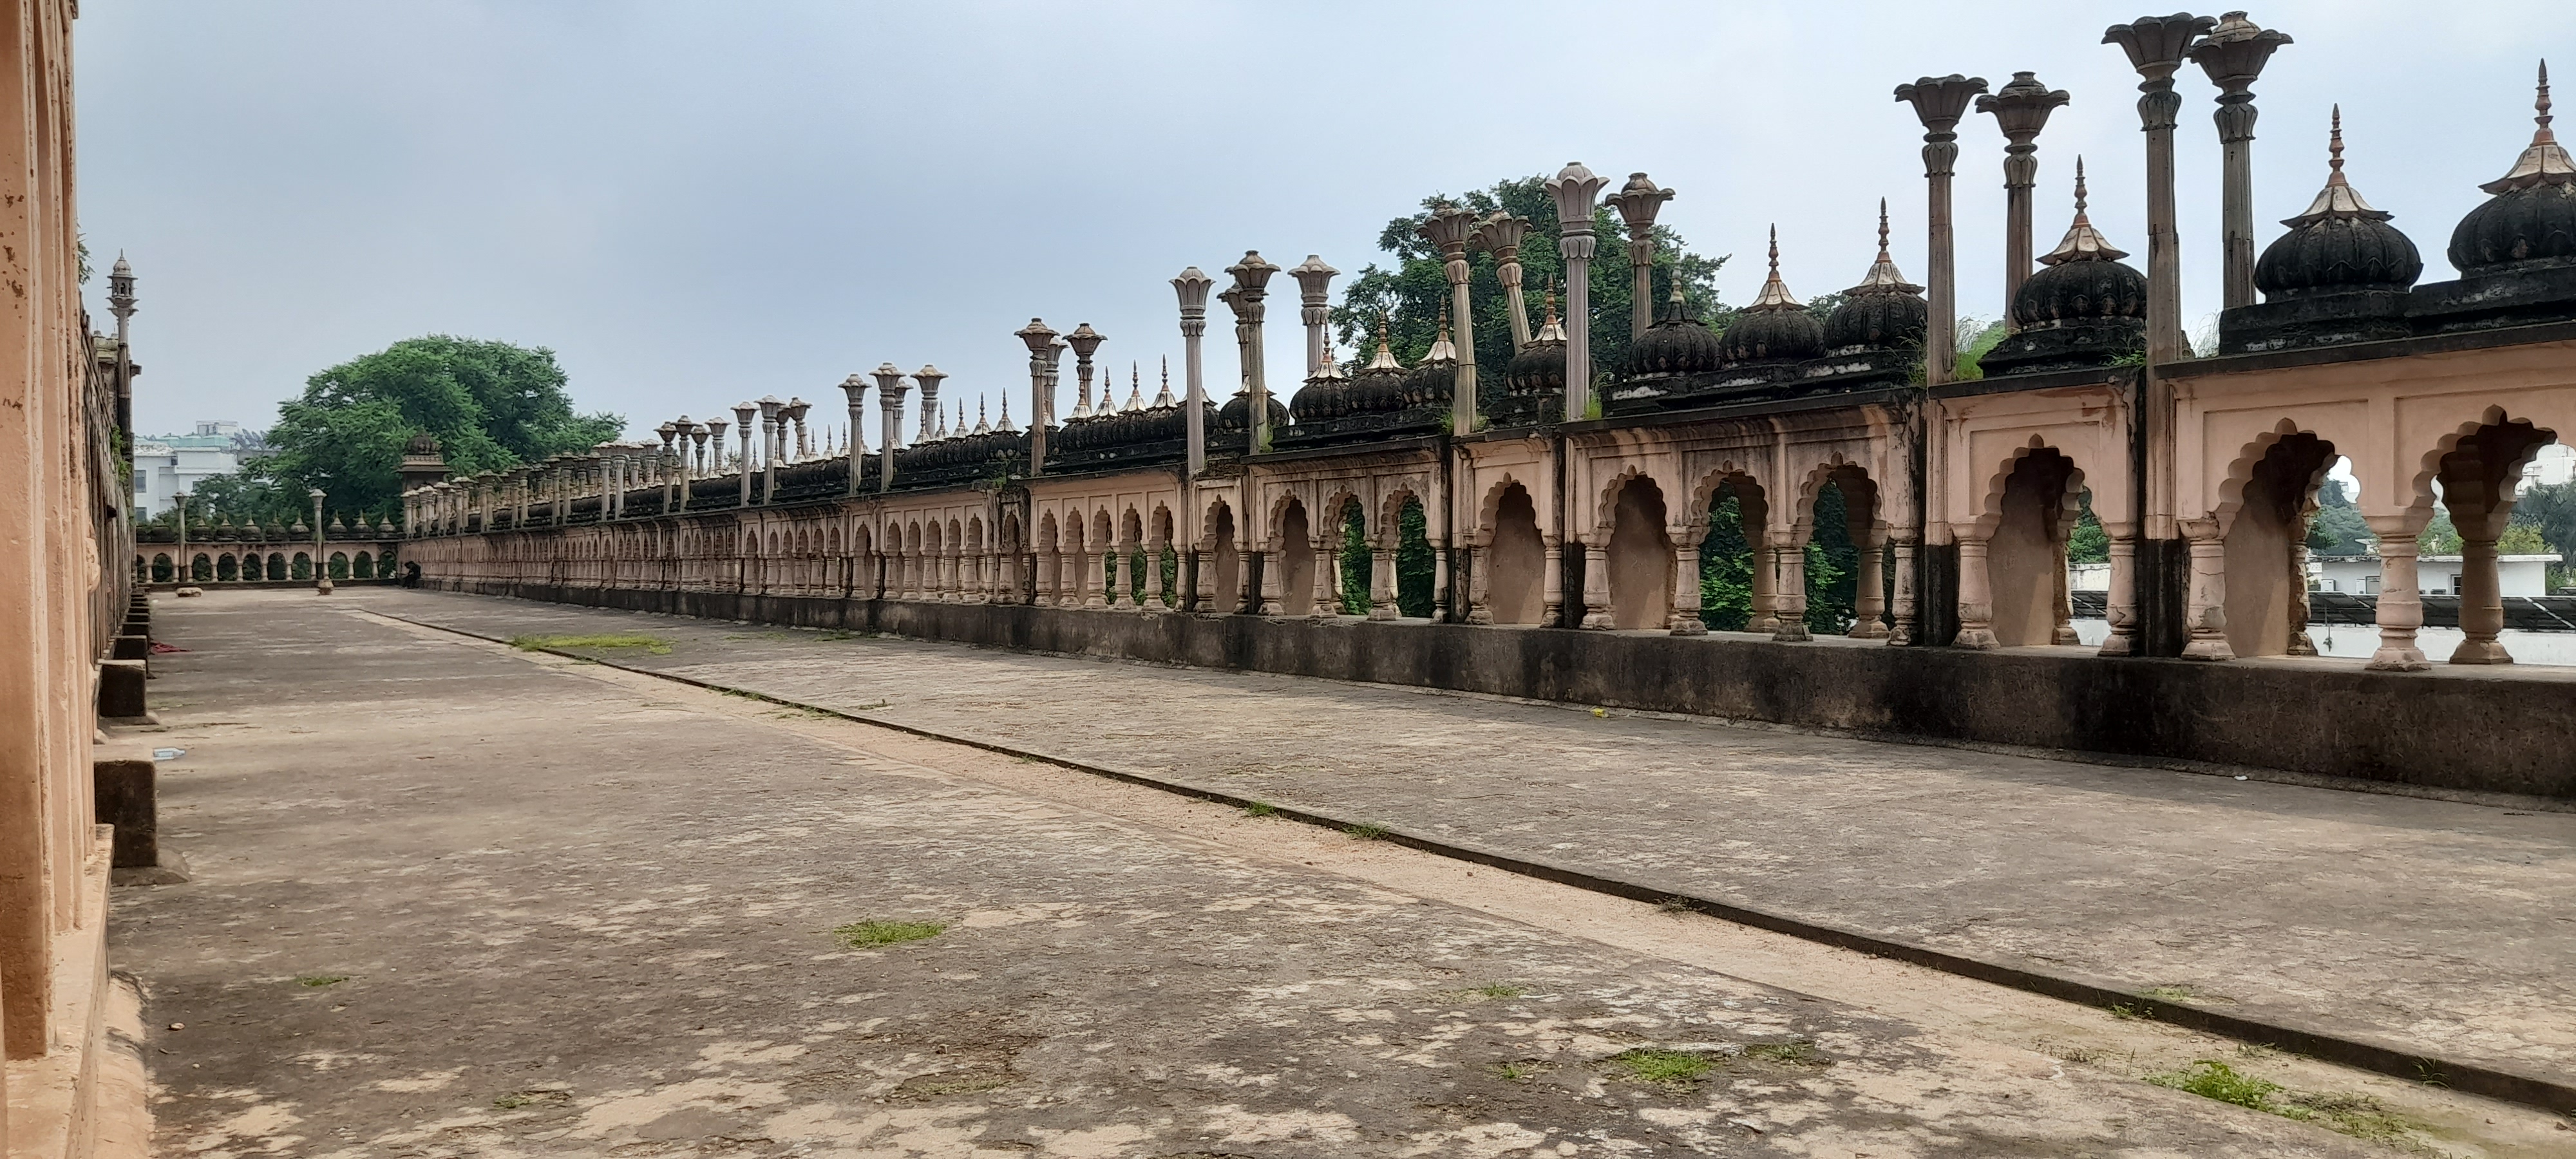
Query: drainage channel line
[(2552, 1095)]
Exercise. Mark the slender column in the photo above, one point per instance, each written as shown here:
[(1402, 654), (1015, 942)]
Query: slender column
[(1900, 633), (1314, 294), (743, 414), (2401, 605), (2299, 644), (1766, 585), (1791, 566), (1269, 599), (1439, 586), (1448, 230), (2481, 594), (1574, 187), (1200, 565), (1939, 102), (1686, 606), (1093, 585), (1976, 596), (2021, 110), (1869, 590), (1382, 584), (858, 448), (1596, 586), (2121, 602), (928, 378), (1501, 235), (1041, 341), (1637, 203), (1192, 286), (1044, 589), (1480, 608), (773, 435), (2233, 54), (1154, 601), (1551, 586), (890, 392), (2206, 616), (1251, 276), (1083, 339), (2063, 608), (1328, 574), (2156, 45)]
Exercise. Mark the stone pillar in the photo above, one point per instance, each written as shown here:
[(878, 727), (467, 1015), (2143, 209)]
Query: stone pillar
[(1192, 286), (1637, 203), (2481, 596), (1201, 566), (1328, 575), (2120, 604), (858, 448), (2299, 644), (2206, 616), (1084, 340), (1501, 235), (1766, 582), (1448, 230), (1480, 560), (1265, 596), (1976, 596), (743, 414), (1551, 586), (2156, 45), (1314, 294), (1050, 571), (1574, 187), (2233, 54), (1154, 601), (1596, 586), (1106, 595), (1908, 552), (2063, 610), (1939, 102), (1251, 276), (1382, 584), (1869, 589), (1439, 585), (890, 392), (1041, 340), (2021, 110), (773, 439), (1792, 570), (1686, 605), (2401, 605)]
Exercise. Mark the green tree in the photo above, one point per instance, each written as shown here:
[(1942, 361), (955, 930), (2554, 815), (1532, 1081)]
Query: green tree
[(1726, 568), (2439, 537), (1833, 566), (492, 405), (2087, 543), (1416, 567), (1412, 290)]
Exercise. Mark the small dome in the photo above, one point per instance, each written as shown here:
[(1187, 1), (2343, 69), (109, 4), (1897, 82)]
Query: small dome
[(2532, 217), (1676, 344), (1776, 327), (422, 443), (1326, 395), (1380, 385), (1433, 378), (1236, 414), (2082, 280), (1884, 310), (1539, 368), (2340, 244)]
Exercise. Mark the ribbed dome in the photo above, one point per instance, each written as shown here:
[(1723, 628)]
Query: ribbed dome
[(1539, 368), (2532, 217), (1776, 327), (1884, 310), (1236, 415), (2340, 244), (1326, 395), (1675, 344), (1380, 385), (423, 443), (1436, 376), (2083, 279)]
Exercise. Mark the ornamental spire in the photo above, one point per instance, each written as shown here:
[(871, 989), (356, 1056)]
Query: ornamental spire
[(1775, 293), (1385, 359), (1550, 331), (1883, 277), (2545, 161), (2082, 243), (1163, 401), (1442, 350), (2338, 199)]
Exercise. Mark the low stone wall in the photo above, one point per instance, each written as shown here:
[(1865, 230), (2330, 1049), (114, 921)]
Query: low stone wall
[(2473, 732)]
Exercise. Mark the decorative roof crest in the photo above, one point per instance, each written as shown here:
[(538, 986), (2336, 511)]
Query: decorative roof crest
[(2545, 161), (1883, 277), (1775, 293), (2082, 243), (1385, 359)]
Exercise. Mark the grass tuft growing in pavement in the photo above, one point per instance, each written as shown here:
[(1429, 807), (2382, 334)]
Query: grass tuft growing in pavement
[(610, 640), (1795, 1052), (321, 979), (1365, 832), (2360, 1116), (1500, 990), (1260, 809), (1655, 1065), (2212, 1079), (859, 935)]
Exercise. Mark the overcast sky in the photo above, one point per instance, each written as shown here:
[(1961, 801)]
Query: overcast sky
[(694, 204)]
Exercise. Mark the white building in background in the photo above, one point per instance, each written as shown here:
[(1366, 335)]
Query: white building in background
[(166, 466), (2438, 575), (2552, 465)]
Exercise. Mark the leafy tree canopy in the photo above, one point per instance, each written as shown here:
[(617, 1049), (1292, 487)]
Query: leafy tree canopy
[(492, 405), (1412, 290)]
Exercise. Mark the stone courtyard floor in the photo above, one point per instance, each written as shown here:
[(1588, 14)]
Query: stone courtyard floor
[(455, 899)]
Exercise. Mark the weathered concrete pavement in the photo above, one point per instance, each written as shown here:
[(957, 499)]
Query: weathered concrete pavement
[(453, 900), (2436, 928)]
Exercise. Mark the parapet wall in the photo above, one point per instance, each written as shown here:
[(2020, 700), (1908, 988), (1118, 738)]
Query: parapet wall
[(2444, 730)]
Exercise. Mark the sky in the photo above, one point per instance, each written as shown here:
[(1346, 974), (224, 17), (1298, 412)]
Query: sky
[(694, 204)]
